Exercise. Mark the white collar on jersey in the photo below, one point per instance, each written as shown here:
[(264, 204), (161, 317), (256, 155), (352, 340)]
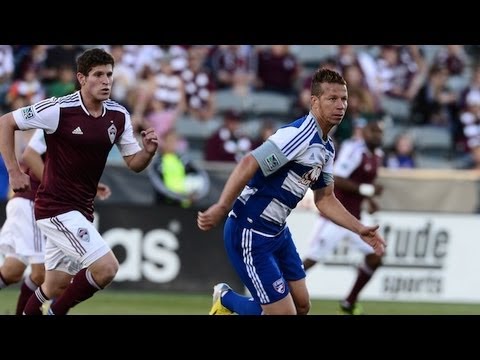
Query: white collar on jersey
[(104, 108)]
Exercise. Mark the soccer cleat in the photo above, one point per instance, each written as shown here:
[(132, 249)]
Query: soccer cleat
[(46, 307), (217, 307), (355, 309)]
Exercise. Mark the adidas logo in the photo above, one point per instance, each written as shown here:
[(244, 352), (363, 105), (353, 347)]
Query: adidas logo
[(77, 131)]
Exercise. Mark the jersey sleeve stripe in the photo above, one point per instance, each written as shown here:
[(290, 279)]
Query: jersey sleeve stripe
[(304, 134)]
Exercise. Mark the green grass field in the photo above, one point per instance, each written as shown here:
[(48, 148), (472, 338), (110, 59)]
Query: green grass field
[(113, 302)]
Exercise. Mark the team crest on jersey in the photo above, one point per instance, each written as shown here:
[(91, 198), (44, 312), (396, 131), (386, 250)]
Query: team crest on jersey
[(279, 286), (112, 133), (27, 113), (83, 234), (272, 161), (311, 176)]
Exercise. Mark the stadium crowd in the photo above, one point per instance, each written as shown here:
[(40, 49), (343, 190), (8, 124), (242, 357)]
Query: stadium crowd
[(423, 91)]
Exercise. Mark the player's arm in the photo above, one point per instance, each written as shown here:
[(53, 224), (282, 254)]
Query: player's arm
[(19, 181), (330, 207), (34, 161), (237, 180), (140, 160)]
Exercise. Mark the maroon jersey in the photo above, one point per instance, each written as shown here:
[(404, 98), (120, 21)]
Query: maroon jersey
[(78, 145), (355, 162)]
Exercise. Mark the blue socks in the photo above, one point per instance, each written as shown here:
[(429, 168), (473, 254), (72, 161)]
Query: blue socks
[(242, 305)]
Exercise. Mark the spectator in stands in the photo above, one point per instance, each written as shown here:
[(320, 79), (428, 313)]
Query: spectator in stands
[(168, 173), (435, 103), (278, 70), (7, 68), (80, 129), (267, 129), (125, 76), (228, 143), (470, 119), (234, 67), (166, 102), (28, 87), (59, 56), (453, 58), (199, 86), (65, 83), (473, 86), (399, 71), (402, 154)]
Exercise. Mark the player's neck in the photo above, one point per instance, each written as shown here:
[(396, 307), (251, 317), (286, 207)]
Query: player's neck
[(93, 106)]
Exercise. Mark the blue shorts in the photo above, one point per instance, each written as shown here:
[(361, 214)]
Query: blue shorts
[(265, 263)]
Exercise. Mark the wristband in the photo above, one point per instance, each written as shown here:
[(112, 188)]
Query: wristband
[(367, 190)]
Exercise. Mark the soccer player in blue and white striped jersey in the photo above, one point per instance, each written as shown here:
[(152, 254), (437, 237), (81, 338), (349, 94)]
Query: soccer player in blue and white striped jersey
[(261, 192)]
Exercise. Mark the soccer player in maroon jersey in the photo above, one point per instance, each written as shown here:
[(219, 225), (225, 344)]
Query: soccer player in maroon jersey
[(355, 172), (80, 130)]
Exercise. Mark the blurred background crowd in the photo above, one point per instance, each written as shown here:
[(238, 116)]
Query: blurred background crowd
[(214, 103)]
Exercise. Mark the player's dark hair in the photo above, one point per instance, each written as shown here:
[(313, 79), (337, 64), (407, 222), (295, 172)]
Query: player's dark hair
[(91, 58), (324, 75)]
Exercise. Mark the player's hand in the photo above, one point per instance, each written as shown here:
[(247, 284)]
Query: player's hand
[(19, 181), (103, 191), (372, 206), (211, 217), (370, 235), (150, 140)]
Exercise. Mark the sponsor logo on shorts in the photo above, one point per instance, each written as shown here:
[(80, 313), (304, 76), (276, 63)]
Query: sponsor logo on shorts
[(83, 234), (279, 286)]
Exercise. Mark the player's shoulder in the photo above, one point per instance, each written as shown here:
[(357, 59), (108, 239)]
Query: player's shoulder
[(299, 129), (115, 106)]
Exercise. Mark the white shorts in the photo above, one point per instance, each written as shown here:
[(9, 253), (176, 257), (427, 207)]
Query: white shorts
[(72, 242), (20, 236), (325, 237)]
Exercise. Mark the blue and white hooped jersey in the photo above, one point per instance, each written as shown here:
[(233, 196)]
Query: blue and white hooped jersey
[(291, 160)]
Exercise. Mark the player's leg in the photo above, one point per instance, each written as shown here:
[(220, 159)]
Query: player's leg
[(324, 238), (85, 245), (77, 238), (86, 283), (254, 256), (17, 240), (60, 270), (11, 271), (365, 272), (225, 300), (29, 285), (291, 267)]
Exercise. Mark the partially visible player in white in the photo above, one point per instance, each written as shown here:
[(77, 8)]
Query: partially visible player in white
[(355, 172), (21, 241)]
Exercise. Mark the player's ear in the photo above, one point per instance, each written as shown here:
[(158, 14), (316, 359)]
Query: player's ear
[(81, 78)]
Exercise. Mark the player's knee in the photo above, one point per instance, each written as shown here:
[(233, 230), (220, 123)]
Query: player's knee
[(12, 276), (108, 273), (37, 277), (303, 308)]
